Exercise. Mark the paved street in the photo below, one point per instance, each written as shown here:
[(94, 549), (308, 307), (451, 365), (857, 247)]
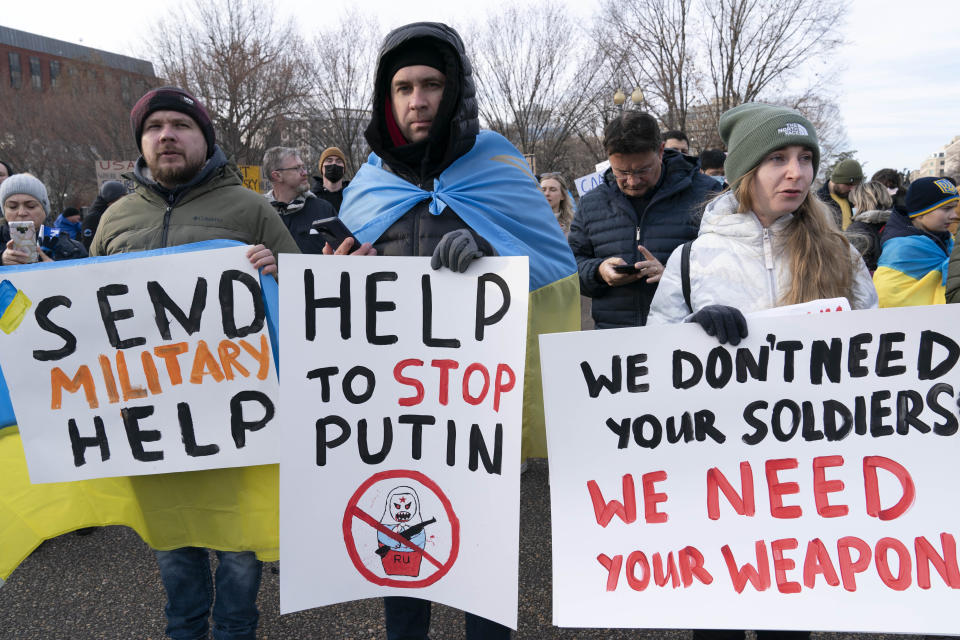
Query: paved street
[(106, 586)]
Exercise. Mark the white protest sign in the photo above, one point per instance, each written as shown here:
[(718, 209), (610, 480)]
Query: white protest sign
[(114, 170), (805, 479), (142, 365), (827, 305), (401, 404), (588, 182)]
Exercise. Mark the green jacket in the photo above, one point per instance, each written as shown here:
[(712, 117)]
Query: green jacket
[(217, 207), (953, 275)]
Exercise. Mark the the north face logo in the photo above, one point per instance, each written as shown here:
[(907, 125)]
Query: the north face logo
[(187, 100), (793, 129)]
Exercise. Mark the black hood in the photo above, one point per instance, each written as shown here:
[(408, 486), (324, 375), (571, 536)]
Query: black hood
[(456, 126)]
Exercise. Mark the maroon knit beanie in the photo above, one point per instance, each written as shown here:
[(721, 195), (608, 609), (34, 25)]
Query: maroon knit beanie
[(171, 99)]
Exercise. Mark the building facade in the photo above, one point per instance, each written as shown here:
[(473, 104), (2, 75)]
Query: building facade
[(38, 63), (945, 162)]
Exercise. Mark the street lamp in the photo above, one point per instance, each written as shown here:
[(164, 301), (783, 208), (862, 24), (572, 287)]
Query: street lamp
[(620, 98)]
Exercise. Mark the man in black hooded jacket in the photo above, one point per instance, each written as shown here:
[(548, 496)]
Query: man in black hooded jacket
[(425, 118)]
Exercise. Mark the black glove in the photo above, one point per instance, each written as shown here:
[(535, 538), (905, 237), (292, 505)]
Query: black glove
[(457, 249), (727, 323)]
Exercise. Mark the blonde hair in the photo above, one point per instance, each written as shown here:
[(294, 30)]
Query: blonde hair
[(819, 255), (565, 215), (870, 196)]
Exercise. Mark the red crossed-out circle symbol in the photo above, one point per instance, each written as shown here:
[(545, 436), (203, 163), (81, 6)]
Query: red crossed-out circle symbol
[(353, 511)]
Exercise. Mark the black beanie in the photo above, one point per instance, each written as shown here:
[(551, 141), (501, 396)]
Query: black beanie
[(171, 99), (419, 51)]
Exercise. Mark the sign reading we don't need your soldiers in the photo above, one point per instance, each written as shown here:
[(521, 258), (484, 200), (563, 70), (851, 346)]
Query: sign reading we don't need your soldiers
[(806, 478), (139, 364)]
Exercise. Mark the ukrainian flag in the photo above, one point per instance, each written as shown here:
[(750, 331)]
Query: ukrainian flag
[(233, 509), (493, 190), (912, 271), (13, 306)]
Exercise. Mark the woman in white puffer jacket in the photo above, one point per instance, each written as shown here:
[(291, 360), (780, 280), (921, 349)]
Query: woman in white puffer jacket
[(769, 241)]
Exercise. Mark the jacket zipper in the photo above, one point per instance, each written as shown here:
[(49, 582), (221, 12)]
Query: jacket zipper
[(768, 263), (166, 222), (636, 252)]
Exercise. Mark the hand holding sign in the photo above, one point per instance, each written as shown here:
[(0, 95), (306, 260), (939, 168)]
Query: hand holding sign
[(163, 365)]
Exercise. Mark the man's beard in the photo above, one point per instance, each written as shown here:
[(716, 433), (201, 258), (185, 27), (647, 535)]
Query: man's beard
[(176, 176)]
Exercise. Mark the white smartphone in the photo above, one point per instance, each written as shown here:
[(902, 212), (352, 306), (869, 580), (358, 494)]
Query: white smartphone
[(24, 236)]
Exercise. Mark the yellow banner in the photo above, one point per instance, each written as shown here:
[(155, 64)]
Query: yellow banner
[(251, 176)]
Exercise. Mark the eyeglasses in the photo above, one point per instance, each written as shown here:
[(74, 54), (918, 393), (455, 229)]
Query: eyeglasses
[(299, 168), (639, 173)]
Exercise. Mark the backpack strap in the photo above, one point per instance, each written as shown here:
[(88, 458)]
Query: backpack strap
[(685, 273)]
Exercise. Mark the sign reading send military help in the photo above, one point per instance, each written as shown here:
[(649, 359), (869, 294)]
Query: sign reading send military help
[(401, 404), (139, 365), (804, 479)]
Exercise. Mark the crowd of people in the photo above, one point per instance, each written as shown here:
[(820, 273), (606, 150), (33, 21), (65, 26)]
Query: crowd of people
[(667, 236)]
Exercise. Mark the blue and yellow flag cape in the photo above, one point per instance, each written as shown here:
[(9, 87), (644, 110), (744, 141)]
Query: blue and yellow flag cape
[(229, 509), (493, 191), (912, 271)]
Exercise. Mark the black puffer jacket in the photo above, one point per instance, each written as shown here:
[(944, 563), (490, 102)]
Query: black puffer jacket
[(453, 134), (607, 226), (300, 222)]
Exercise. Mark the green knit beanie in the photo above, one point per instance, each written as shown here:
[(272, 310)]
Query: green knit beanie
[(752, 130), (847, 172)]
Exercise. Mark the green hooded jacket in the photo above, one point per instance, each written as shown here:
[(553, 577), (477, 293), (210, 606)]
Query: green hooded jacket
[(215, 206)]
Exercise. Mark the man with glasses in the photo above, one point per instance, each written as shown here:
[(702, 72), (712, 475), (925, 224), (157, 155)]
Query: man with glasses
[(626, 228), (290, 195)]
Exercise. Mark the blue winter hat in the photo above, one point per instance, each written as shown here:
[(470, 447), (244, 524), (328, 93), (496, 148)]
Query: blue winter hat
[(923, 196)]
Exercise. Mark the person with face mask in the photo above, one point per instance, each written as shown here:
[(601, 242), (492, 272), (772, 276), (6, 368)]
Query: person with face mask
[(330, 184)]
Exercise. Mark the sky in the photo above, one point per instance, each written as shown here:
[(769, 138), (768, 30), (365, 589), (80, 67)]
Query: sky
[(899, 89)]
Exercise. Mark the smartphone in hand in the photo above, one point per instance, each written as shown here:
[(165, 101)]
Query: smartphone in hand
[(24, 236), (334, 232), (625, 268)]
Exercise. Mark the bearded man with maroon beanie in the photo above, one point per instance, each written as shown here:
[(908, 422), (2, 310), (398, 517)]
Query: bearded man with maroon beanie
[(186, 191)]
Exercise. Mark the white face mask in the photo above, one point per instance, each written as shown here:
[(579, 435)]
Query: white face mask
[(891, 191), (720, 179)]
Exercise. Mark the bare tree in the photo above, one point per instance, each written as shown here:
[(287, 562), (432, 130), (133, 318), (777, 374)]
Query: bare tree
[(345, 57), (246, 68), (755, 48), (695, 59), (60, 145), (537, 78), (647, 46)]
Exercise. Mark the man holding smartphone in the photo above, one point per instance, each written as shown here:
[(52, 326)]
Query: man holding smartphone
[(625, 229)]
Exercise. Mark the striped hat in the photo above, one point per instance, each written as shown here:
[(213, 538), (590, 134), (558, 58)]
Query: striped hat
[(927, 194)]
